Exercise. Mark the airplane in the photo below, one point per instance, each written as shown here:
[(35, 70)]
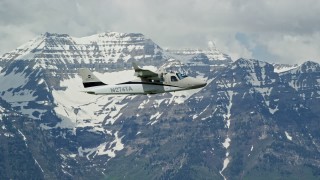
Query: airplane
[(148, 82)]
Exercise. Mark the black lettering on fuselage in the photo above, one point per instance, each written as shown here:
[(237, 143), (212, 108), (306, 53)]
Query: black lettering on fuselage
[(123, 89)]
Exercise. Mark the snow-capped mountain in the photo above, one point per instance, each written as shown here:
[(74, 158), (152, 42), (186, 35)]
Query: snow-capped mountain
[(211, 55), (107, 50), (279, 68), (247, 122)]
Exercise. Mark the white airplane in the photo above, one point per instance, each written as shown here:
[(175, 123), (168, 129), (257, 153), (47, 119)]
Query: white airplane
[(148, 82)]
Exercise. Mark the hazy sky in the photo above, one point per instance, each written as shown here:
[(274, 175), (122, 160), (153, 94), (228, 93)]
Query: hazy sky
[(284, 31)]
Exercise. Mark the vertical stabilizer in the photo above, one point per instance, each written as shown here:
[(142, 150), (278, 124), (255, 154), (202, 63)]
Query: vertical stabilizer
[(89, 79)]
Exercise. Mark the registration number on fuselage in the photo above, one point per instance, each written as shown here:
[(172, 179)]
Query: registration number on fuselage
[(121, 89)]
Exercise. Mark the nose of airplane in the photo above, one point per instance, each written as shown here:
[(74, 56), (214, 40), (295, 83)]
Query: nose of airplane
[(202, 83), (199, 83)]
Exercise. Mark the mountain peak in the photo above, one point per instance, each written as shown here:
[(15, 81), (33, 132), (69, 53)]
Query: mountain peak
[(212, 46), (211, 53), (242, 62), (309, 66), (252, 65), (257, 73), (306, 67), (119, 34), (280, 68), (48, 34)]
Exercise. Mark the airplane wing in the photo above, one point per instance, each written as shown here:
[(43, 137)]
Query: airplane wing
[(143, 73)]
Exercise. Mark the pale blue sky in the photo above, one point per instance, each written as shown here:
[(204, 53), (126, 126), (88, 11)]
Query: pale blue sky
[(285, 31)]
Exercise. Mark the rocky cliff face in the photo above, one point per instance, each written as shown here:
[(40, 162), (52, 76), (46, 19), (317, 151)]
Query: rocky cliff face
[(248, 122)]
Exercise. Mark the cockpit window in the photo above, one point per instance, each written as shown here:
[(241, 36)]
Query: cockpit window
[(174, 78), (181, 76)]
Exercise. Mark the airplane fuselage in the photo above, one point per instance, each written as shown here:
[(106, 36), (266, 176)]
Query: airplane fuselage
[(133, 88)]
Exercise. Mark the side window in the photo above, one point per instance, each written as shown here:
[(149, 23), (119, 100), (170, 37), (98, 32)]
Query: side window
[(173, 78)]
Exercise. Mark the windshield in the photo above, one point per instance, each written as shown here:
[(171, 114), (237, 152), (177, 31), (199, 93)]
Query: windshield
[(181, 76)]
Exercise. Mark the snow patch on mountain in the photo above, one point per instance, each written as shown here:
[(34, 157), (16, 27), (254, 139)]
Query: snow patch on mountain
[(228, 114), (288, 136), (227, 141), (1, 112), (265, 92), (12, 80), (180, 97), (279, 68), (156, 116), (114, 109), (13, 90), (78, 109), (105, 148)]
